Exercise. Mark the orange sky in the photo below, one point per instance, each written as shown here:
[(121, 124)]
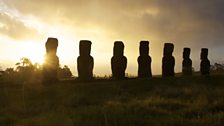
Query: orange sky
[(25, 26)]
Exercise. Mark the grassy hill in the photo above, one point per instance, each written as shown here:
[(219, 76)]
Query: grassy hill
[(180, 101)]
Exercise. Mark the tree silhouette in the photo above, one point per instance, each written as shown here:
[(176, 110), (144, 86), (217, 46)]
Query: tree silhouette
[(64, 72), (217, 67), (24, 69), (24, 63)]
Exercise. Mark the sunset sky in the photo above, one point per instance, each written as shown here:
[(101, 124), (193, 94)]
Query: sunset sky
[(25, 26)]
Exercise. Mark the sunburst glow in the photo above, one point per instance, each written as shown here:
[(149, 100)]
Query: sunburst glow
[(33, 51)]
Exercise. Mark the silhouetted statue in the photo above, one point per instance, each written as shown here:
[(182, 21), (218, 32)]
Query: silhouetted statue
[(168, 62), (51, 61), (118, 61), (205, 63), (144, 60), (187, 62), (85, 61)]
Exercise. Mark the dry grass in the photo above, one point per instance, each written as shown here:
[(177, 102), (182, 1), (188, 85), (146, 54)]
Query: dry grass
[(181, 101)]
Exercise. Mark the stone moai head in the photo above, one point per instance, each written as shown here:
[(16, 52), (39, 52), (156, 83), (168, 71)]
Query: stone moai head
[(204, 53), (144, 48), (168, 49), (186, 53), (85, 47), (118, 48), (51, 45)]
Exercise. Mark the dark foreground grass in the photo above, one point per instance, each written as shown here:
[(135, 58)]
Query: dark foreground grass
[(181, 101)]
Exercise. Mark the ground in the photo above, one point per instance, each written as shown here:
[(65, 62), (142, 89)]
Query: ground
[(180, 101)]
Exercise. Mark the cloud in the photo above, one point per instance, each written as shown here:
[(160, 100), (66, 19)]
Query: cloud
[(15, 28), (187, 23), (195, 22)]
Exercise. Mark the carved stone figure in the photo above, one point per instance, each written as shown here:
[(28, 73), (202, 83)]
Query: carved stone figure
[(205, 63), (85, 61), (144, 60), (168, 61), (118, 61), (187, 62), (51, 62)]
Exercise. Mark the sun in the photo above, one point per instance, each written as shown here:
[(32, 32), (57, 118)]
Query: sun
[(36, 58), (33, 51)]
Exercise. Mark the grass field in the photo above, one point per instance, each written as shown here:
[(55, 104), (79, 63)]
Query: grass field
[(181, 101)]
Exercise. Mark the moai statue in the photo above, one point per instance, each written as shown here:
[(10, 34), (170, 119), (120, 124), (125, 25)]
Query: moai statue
[(144, 60), (51, 61), (168, 62), (118, 61), (85, 61), (205, 63), (187, 62)]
